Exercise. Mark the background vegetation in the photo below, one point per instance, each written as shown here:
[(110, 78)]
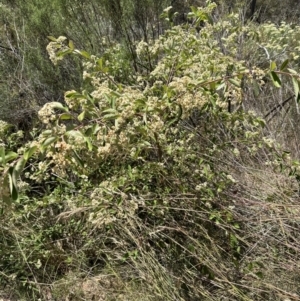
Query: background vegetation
[(149, 151)]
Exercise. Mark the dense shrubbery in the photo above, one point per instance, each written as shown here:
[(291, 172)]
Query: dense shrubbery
[(158, 182), (28, 80)]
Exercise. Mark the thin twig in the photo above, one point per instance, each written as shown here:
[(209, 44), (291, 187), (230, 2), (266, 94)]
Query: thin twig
[(279, 106)]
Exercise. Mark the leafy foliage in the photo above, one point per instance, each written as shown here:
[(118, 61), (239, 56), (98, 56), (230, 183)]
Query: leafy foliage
[(157, 177)]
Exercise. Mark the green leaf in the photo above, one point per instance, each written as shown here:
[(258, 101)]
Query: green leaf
[(212, 86), (177, 118), (29, 152), (89, 143), (110, 116), (19, 167), (140, 102), (63, 52), (110, 111), (89, 98), (13, 184), (85, 54), (292, 71), (284, 64), (92, 130), (116, 93), (275, 79), (235, 82), (81, 116), (296, 87), (75, 134), (65, 116), (47, 133), (49, 140), (100, 63), (96, 128), (221, 86), (273, 66), (259, 275), (261, 122), (73, 95), (58, 105), (77, 158), (71, 45), (51, 38), (88, 132), (256, 88), (8, 157), (236, 226), (2, 154)]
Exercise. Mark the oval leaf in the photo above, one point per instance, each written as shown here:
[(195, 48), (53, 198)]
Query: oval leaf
[(65, 116), (71, 45), (292, 71), (29, 152), (273, 66), (8, 157), (58, 105), (275, 79), (19, 167), (52, 38), (235, 82), (81, 116), (284, 64), (48, 141), (85, 54)]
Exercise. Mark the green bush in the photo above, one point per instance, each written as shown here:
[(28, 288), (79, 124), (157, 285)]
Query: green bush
[(155, 183)]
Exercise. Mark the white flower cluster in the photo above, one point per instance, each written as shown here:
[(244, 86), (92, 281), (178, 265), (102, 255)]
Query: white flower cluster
[(54, 47), (46, 113), (141, 48), (122, 121)]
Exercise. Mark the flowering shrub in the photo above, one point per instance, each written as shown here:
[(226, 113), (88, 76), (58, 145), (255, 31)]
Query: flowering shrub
[(152, 158)]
